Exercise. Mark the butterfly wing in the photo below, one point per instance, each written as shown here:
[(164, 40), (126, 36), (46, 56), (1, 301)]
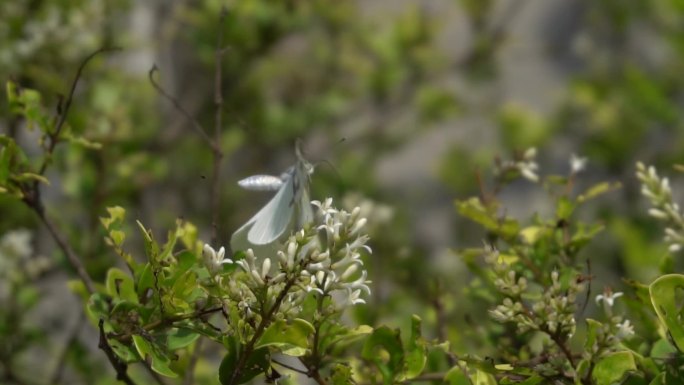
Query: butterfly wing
[(274, 218), (261, 183)]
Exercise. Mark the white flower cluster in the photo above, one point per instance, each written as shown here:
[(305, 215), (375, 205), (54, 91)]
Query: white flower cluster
[(323, 258), (618, 330), (526, 165), (659, 193), (341, 267), (553, 313)]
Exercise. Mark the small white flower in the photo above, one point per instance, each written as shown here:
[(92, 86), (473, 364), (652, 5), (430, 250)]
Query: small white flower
[(214, 260), (608, 297), (625, 330), (528, 171), (577, 163), (354, 297)]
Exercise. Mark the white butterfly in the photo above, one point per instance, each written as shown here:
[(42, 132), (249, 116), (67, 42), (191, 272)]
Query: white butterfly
[(291, 205)]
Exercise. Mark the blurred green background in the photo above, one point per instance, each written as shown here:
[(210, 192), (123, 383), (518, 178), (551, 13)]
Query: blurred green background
[(403, 103)]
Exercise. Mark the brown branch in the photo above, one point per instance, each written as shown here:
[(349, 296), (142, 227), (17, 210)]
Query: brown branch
[(63, 110), (71, 255), (288, 366), (249, 348), (195, 124), (589, 278), (118, 365), (216, 147)]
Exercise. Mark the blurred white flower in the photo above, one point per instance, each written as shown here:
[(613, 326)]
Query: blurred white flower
[(214, 260), (625, 330), (577, 163), (608, 297)]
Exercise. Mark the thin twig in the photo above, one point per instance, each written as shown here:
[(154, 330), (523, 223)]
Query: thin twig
[(248, 349), (71, 255), (195, 124), (216, 147), (288, 366), (63, 111), (118, 365)]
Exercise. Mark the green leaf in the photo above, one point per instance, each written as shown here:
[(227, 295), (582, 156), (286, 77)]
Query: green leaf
[(117, 214), (385, 350), (151, 246), (592, 328), (159, 361), (120, 285), (146, 280), (531, 234), (341, 374), (127, 353), (483, 378), (29, 176), (659, 380), (349, 335), (664, 298), (598, 190), (455, 376), (257, 363), (582, 370), (81, 141), (534, 380), (98, 306), (180, 338), (416, 350), (613, 367), (474, 210), (184, 286), (662, 350), (291, 339), (565, 208), (189, 235), (5, 158)]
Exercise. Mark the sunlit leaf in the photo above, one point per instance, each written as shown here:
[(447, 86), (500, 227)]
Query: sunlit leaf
[(290, 338), (664, 297), (598, 190), (385, 350), (120, 285), (160, 363), (416, 350), (613, 367)]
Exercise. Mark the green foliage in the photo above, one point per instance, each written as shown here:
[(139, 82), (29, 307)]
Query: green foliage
[(325, 70)]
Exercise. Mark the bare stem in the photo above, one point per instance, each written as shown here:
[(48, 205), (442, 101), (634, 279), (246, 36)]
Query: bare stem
[(66, 248), (63, 110), (249, 348), (218, 122), (194, 123), (118, 365)]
